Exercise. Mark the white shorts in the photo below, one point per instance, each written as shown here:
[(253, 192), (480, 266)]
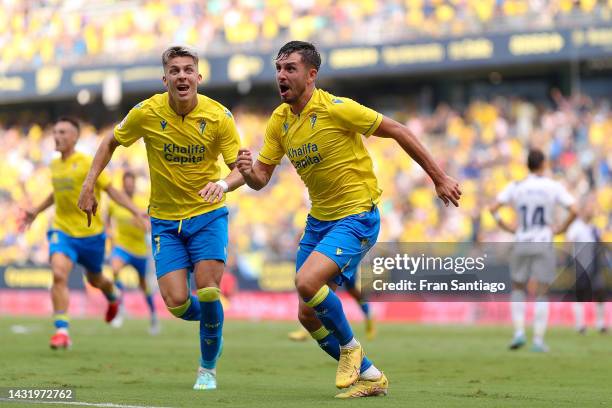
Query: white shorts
[(540, 265)]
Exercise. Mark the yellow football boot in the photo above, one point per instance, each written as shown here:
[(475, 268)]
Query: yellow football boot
[(348, 366), (367, 388)]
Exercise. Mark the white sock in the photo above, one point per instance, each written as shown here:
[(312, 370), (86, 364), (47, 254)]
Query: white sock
[(63, 330), (371, 374), (540, 319), (517, 308), (213, 371), (352, 343), (600, 315), (579, 315)]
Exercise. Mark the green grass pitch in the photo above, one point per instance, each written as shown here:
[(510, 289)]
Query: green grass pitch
[(428, 366)]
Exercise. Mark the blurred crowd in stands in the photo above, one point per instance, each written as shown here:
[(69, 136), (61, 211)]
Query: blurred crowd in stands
[(34, 33), (483, 146)]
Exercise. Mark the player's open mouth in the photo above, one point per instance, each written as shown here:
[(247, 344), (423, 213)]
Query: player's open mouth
[(183, 89), (283, 89)]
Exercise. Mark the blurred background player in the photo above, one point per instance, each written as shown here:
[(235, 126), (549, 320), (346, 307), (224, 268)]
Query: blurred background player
[(71, 240), (130, 248), (184, 134), (321, 135), (352, 288), (590, 279), (534, 199)]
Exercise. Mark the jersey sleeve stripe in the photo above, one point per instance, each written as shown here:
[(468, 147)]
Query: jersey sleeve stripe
[(266, 160), (372, 129)]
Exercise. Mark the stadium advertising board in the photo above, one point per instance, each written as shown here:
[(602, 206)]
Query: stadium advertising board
[(33, 277), (28, 277)]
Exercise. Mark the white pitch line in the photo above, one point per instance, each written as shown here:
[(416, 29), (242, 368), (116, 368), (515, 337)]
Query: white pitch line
[(79, 404)]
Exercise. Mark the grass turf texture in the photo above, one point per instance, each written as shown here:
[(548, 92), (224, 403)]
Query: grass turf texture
[(428, 366)]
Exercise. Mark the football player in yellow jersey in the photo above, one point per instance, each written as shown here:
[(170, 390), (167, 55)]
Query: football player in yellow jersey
[(321, 135), (129, 240), (70, 239), (184, 134)]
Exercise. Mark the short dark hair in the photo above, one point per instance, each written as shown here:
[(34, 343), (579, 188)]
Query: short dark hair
[(70, 120), (179, 51), (535, 159), (308, 51)]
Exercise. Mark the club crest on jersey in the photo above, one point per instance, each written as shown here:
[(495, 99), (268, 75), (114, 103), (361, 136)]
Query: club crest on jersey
[(313, 120), (202, 126), (163, 124)]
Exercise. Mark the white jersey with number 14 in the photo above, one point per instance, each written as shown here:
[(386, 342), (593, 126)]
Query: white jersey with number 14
[(534, 199)]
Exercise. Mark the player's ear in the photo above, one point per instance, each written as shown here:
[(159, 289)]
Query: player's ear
[(312, 74), (199, 78), (165, 81)]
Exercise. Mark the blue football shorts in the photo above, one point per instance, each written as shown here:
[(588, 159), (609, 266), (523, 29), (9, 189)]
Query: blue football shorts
[(344, 241), (87, 251), (138, 262), (179, 244)]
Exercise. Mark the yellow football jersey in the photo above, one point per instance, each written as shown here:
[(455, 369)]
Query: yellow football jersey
[(67, 178), (182, 152), (324, 144), (126, 234)]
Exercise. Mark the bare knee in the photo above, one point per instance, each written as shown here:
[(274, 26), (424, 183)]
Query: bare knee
[(308, 318), (60, 279), (60, 267), (306, 315), (95, 280), (306, 287), (174, 299), (173, 288), (208, 273)]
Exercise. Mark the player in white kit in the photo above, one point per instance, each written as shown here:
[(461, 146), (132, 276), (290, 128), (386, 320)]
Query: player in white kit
[(590, 280), (534, 199)]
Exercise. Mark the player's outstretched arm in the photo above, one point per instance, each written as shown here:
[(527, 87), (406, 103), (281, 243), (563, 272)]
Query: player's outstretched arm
[(108, 227), (87, 199), (31, 213), (494, 210), (121, 198), (447, 187), (255, 175), (213, 191)]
